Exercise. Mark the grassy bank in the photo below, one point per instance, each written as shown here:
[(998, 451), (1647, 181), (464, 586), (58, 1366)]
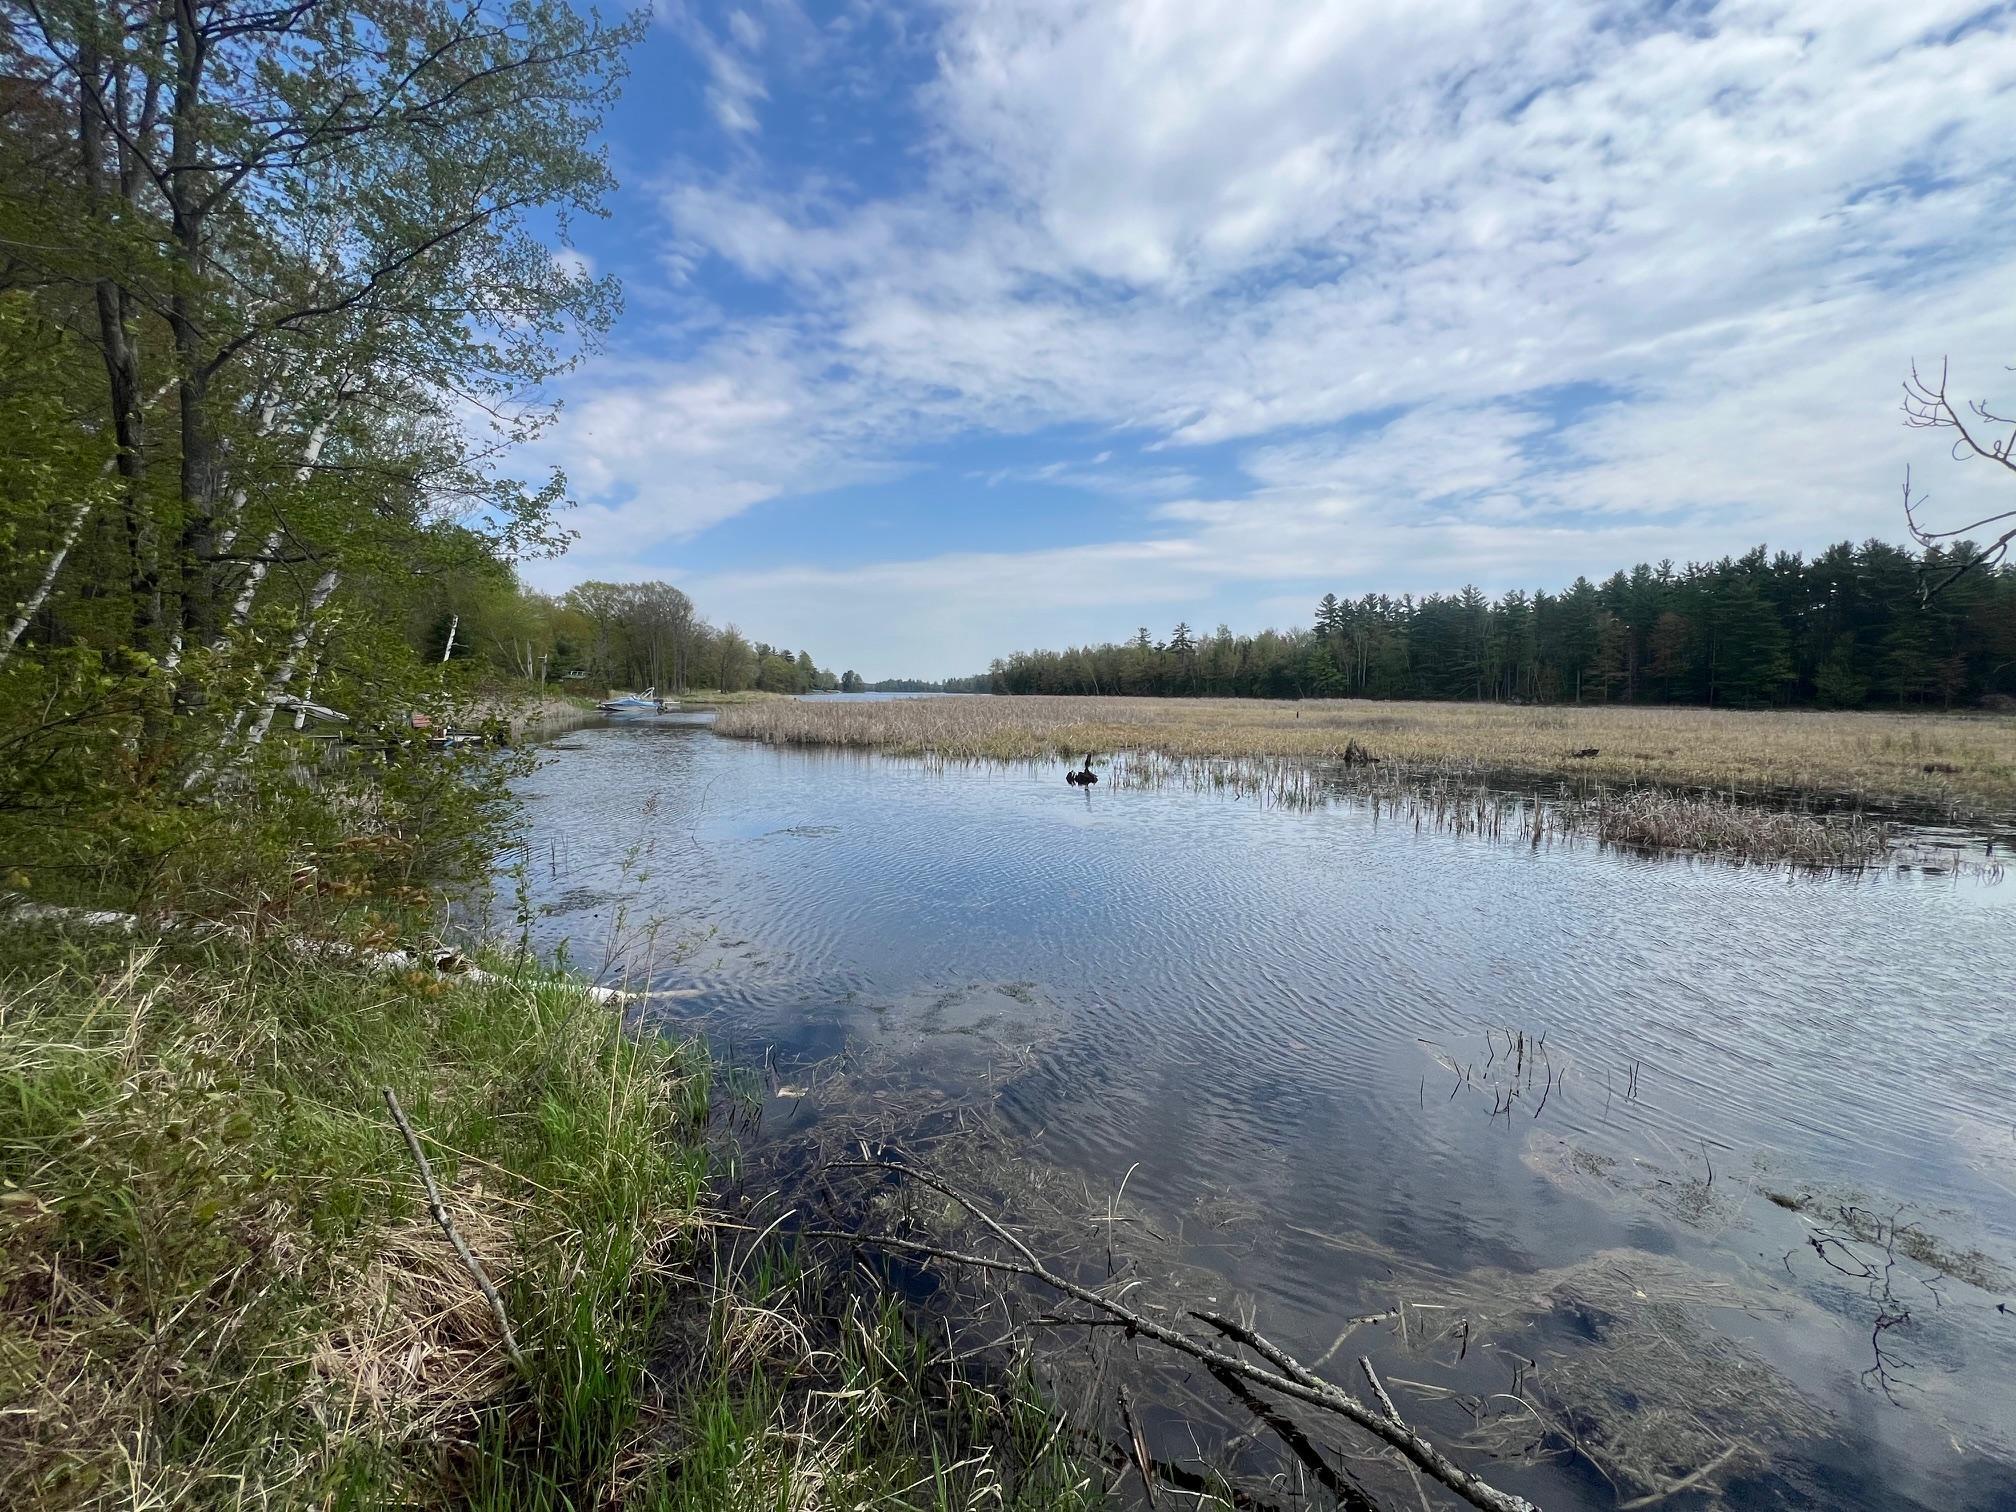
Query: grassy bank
[(714, 698), (219, 1280), (1963, 761)]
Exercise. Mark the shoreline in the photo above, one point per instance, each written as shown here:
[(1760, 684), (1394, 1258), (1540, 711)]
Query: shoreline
[(239, 1139)]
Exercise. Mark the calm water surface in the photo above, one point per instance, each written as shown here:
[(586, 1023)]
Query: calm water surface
[(1299, 1032)]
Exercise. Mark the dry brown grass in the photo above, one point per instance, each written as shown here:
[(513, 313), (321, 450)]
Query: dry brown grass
[(1643, 818), (412, 1345), (1879, 758), (1655, 820)]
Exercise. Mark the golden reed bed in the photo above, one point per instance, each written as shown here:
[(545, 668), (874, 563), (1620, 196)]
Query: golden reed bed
[(1878, 757)]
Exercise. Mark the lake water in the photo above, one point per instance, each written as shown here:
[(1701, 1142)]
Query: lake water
[(1295, 1035)]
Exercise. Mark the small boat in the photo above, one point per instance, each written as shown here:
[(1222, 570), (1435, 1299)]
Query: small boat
[(647, 702), (449, 738)]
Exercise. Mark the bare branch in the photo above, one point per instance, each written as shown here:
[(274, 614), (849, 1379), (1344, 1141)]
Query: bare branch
[(447, 1224), (1928, 405), (1294, 1380)]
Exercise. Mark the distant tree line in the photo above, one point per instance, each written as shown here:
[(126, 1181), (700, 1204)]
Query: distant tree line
[(607, 635), (1848, 628), (925, 685)]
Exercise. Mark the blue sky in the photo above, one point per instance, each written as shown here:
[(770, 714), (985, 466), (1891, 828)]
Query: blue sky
[(971, 325)]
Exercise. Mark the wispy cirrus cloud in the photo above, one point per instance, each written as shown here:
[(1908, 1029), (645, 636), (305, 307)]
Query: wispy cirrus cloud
[(1466, 289)]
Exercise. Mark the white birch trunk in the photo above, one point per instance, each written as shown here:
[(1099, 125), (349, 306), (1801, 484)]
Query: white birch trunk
[(276, 685), (32, 605), (241, 607), (228, 537), (308, 688), (452, 965)]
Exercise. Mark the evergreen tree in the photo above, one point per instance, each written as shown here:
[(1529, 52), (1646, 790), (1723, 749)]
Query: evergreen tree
[(1905, 663), (1759, 629), (1837, 684), (1329, 616), (1751, 660)]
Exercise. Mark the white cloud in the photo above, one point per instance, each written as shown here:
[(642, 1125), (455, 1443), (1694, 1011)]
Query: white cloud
[(1094, 476), (1382, 251), (1428, 453), (734, 85)]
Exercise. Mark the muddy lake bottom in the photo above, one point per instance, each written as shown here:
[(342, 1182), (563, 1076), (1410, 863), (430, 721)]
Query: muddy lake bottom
[(1645, 1165)]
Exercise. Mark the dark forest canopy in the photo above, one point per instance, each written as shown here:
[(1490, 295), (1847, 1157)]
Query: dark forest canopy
[(1848, 628), (925, 685)]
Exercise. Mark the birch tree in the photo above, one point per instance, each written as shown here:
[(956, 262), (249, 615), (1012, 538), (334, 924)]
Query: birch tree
[(303, 260)]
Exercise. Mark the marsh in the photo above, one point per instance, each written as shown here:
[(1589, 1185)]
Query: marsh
[(1639, 1121)]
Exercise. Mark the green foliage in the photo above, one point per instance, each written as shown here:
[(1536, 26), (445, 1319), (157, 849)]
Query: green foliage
[(637, 635), (1836, 683), (51, 457), (262, 268)]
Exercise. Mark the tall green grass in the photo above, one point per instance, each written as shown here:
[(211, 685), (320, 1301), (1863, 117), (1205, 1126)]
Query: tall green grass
[(216, 1272), (219, 1283)]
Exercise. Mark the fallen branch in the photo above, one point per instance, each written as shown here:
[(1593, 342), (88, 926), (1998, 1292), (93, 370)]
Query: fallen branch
[(440, 1214), (445, 960), (1372, 1379), (1137, 1444), (1292, 1380), (1685, 1483), (88, 918), (1299, 1443)]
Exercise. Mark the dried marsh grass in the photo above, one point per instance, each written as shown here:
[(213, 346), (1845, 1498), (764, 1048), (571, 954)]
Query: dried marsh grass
[(413, 1345), (1962, 764), (1463, 797), (1675, 821)]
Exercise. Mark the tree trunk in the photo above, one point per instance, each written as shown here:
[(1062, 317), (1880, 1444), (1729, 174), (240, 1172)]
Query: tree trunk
[(32, 605), (114, 308), (255, 574), (276, 685), (197, 546), (235, 509)]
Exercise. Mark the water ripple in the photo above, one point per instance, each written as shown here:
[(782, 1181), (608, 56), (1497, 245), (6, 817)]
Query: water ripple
[(1309, 1008)]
